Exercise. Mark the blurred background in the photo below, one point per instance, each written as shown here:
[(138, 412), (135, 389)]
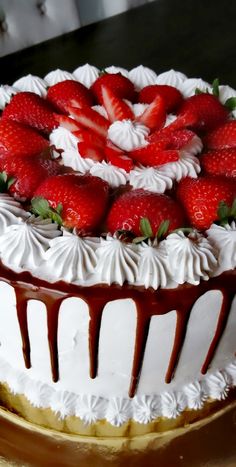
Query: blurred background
[(27, 22)]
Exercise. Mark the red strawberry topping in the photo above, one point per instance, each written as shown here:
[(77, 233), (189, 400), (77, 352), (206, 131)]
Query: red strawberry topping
[(91, 151), (209, 111), (69, 92), (83, 197), (153, 156), (116, 108), (171, 96), (154, 116), (91, 120), (116, 157), (223, 137), (201, 197), (67, 122), (18, 140), (220, 162), (120, 85), (128, 210), (32, 110)]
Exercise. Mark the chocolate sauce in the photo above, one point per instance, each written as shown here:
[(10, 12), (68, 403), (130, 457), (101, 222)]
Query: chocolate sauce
[(148, 303)]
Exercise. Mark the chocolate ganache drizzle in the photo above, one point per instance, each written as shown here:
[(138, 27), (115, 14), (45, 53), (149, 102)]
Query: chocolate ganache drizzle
[(148, 303)]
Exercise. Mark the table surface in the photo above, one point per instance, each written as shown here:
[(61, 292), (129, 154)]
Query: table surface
[(195, 37)]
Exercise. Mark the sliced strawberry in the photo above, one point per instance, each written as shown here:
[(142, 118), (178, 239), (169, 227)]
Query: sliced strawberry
[(90, 137), (208, 109), (18, 140), (120, 85), (201, 197), (84, 199), (154, 116), (116, 157), (223, 137), (69, 92), (172, 96), (67, 123), (220, 162), (116, 108), (90, 151), (152, 155), (91, 120), (32, 110)]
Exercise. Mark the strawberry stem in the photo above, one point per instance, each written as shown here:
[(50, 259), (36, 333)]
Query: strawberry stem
[(40, 207), (5, 182)]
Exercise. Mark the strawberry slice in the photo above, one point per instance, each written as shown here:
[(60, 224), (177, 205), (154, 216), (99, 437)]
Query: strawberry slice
[(220, 162), (183, 121), (121, 86), (223, 137), (91, 120), (90, 137), (155, 115), (67, 123), (172, 96), (18, 140), (152, 155), (115, 107), (116, 157), (69, 92), (90, 151), (174, 140), (32, 110)]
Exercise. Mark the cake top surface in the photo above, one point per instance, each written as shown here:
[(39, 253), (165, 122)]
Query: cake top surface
[(118, 176)]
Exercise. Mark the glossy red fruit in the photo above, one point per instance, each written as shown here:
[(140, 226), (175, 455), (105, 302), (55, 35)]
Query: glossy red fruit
[(91, 120), (154, 116), (32, 110), (152, 155), (118, 158), (116, 108), (120, 85), (223, 137), (201, 197), (220, 162), (18, 140), (83, 197), (171, 96), (172, 140), (208, 109), (67, 122), (128, 210), (90, 151), (69, 92)]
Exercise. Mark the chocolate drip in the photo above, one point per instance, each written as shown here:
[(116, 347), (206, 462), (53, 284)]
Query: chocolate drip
[(148, 303)]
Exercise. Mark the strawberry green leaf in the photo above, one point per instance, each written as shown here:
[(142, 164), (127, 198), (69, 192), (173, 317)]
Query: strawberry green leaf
[(231, 103), (163, 228), (224, 212), (145, 227), (198, 91), (185, 230), (215, 87), (10, 182), (137, 240), (5, 182), (233, 209), (40, 207)]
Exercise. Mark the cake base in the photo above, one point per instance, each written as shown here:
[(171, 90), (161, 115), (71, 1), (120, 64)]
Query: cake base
[(210, 442)]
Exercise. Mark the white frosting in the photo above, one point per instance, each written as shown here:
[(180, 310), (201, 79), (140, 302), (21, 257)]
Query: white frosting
[(196, 396), (150, 178), (118, 411), (56, 76), (142, 76), (172, 78), (223, 238), (190, 85), (71, 257), (138, 109), (31, 83), (173, 403), (191, 258), (146, 408), (110, 173), (128, 135), (117, 261), (153, 265), (23, 244), (62, 138), (71, 158), (170, 118), (86, 74), (188, 165), (6, 92), (11, 212), (101, 110), (218, 385), (117, 69), (225, 93)]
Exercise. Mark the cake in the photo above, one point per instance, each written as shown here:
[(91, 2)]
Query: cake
[(118, 255)]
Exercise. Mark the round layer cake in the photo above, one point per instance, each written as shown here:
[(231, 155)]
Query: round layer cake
[(117, 275)]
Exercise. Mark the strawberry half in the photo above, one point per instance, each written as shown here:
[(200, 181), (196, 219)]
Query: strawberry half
[(201, 197), (83, 197), (116, 108), (154, 116), (223, 137), (91, 120), (32, 110), (220, 162), (90, 151), (171, 96), (69, 92), (18, 140), (208, 109), (152, 155), (128, 210), (121, 86)]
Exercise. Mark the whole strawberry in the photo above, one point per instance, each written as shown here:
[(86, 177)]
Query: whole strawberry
[(32, 110), (209, 111), (222, 137), (69, 92), (83, 197), (201, 198), (121, 86), (220, 162), (171, 96), (18, 140), (129, 208)]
